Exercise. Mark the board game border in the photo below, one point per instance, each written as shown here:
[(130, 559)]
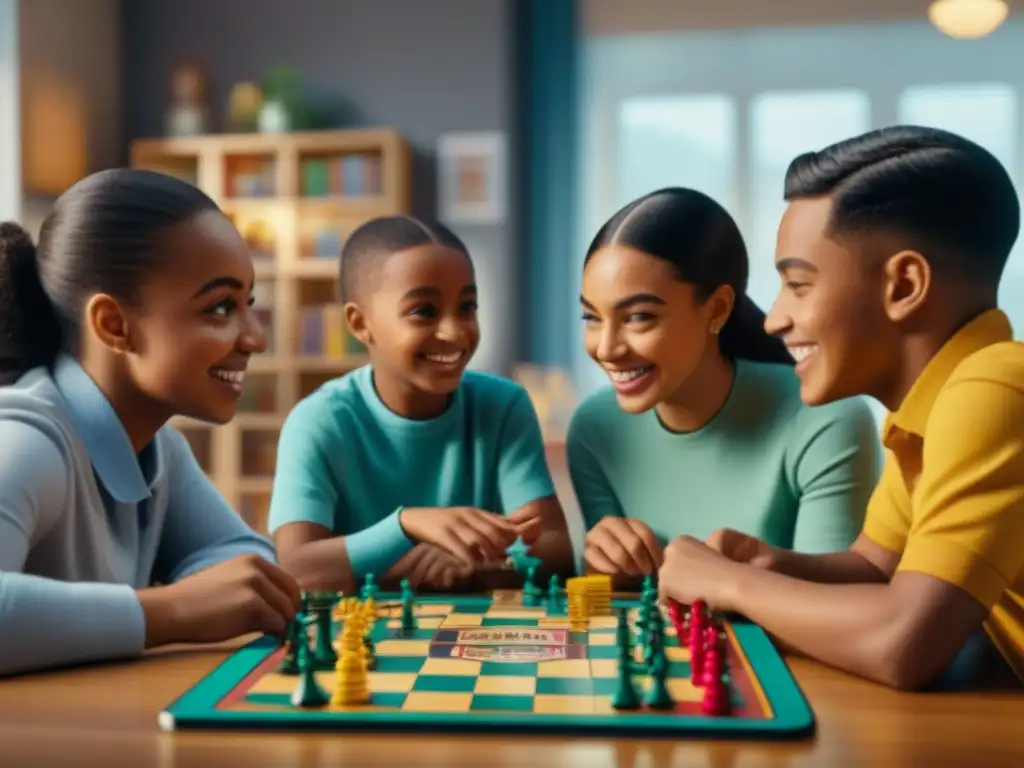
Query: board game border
[(197, 708)]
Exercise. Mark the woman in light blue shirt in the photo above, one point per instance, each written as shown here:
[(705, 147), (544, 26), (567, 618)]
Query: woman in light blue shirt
[(134, 307)]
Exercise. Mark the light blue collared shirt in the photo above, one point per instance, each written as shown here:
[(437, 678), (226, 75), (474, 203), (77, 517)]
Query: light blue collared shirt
[(85, 522)]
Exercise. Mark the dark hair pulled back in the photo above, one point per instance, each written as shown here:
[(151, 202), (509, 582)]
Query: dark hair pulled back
[(102, 236)]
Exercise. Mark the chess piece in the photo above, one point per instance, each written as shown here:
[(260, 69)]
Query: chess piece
[(625, 696), (308, 692)]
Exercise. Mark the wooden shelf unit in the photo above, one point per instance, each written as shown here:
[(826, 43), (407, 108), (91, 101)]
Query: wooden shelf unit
[(294, 197)]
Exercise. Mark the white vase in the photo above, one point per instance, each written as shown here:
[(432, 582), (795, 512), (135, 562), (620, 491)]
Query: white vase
[(273, 118)]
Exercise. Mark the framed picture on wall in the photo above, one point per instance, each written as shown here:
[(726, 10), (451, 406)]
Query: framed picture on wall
[(471, 172)]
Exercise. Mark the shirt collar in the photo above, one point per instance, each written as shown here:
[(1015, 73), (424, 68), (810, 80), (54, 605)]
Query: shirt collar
[(110, 449), (989, 328)]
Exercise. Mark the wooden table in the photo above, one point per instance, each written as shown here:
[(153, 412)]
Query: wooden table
[(106, 716)]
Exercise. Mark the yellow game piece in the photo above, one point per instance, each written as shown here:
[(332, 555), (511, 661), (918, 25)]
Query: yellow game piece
[(350, 681)]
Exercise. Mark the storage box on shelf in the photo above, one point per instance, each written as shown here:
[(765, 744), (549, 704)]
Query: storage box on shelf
[(294, 198)]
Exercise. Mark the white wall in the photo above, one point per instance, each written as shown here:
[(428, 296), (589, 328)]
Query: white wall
[(10, 143)]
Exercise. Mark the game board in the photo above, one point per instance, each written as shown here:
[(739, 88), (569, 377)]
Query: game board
[(493, 663)]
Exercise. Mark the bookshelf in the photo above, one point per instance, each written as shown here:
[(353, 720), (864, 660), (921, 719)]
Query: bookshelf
[(293, 196)]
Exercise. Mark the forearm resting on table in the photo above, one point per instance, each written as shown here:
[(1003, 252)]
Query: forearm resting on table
[(871, 630), (846, 567), (46, 623)]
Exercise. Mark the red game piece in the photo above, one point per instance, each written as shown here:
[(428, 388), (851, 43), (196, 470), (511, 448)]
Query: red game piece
[(713, 661), (675, 615), (716, 702), (697, 627)]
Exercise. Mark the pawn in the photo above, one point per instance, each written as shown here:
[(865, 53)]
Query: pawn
[(350, 683), (717, 701), (675, 615), (713, 662)]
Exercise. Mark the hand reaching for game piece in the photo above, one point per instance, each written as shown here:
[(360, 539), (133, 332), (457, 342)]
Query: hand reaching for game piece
[(693, 571), (622, 546), (743, 548), (430, 567), (471, 535), (241, 595)]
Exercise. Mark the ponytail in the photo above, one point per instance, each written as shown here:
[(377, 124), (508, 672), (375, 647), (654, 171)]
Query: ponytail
[(743, 336), (30, 329)]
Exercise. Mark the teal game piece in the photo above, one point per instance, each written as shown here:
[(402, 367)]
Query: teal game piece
[(370, 588), (585, 694), (308, 692)]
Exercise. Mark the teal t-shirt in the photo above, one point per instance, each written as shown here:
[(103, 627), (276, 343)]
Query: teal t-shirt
[(347, 462), (796, 476)]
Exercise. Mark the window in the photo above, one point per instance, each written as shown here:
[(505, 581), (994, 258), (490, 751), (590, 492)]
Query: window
[(782, 126), (677, 141), (987, 114)]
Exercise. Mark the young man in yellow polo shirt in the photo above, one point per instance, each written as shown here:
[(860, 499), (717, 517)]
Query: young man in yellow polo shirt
[(891, 253)]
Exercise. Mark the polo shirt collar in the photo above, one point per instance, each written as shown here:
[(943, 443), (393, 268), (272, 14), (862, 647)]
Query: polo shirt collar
[(110, 449), (988, 328)]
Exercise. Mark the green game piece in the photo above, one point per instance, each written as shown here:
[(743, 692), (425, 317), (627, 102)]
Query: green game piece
[(408, 614), (659, 696), (308, 692), (554, 594), (325, 656), (370, 588), (625, 696)]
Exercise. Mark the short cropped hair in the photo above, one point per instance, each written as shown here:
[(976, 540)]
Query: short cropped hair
[(951, 199), (372, 243)]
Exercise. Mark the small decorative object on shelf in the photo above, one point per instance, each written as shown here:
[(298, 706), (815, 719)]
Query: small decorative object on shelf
[(294, 197)]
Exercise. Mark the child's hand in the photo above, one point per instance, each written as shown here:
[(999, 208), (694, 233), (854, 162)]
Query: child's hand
[(743, 548), (437, 569), (472, 535), (242, 595), (528, 524), (621, 546)]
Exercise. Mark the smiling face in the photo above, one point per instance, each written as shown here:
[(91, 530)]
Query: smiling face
[(420, 320), (831, 308), (646, 328), (192, 332)]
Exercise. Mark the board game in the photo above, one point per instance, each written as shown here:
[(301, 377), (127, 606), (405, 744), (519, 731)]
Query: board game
[(508, 661)]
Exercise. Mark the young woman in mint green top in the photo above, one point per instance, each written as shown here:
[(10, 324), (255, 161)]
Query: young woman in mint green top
[(703, 426)]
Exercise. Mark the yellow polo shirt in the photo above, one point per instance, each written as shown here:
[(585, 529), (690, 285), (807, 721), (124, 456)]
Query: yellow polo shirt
[(951, 494)]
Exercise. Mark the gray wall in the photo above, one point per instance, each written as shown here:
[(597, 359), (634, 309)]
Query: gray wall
[(425, 67)]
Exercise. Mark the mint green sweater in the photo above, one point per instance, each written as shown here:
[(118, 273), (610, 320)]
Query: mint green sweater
[(766, 464)]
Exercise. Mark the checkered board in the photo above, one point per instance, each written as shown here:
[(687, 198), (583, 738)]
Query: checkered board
[(492, 663)]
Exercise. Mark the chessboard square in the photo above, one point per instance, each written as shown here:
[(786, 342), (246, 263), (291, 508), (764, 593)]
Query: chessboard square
[(604, 622), (433, 609), (444, 684), (601, 638), (683, 690), (564, 668), (462, 620), (565, 686), (397, 647), (484, 702), (393, 699), (604, 667), (563, 705), (397, 664), (675, 653), (390, 682), (432, 701), (605, 686), (506, 685), (679, 669), (513, 669), (603, 651), (516, 613), (491, 621), (553, 622), (455, 667)]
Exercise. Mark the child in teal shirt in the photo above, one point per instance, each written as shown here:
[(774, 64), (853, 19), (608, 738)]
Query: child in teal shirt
[(703, 426), (412, 449)]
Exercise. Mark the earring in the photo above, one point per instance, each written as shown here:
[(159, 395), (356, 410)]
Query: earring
[(715, 329)]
